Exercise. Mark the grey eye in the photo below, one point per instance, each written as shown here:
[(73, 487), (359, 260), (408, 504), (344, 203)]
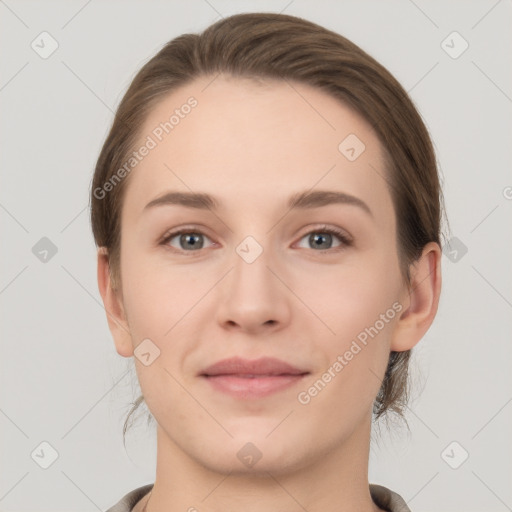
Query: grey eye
[(187, 240), (321, 240)]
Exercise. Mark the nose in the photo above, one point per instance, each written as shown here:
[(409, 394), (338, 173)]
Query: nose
[(252, 297)]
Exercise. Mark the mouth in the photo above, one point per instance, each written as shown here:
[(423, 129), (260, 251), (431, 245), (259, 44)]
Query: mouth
[(246, 379)]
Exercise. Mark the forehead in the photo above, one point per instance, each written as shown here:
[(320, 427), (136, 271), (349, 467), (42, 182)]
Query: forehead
[(249, 142)]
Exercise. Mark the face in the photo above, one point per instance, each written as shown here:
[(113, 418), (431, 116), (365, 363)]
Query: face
[(315, 285)]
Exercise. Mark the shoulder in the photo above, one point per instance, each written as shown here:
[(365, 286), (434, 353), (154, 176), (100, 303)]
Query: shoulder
[(387, 499), (128, 501), (382, 496)]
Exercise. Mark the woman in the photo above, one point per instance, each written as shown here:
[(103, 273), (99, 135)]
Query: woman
[(267, 213)]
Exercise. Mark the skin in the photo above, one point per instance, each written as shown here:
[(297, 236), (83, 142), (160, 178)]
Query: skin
[(253, 145)]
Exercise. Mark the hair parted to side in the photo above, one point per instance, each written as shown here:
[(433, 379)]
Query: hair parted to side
[(283, 47)]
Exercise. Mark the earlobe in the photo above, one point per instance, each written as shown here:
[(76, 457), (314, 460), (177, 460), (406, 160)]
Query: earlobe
[(114, 308), (423, 299)]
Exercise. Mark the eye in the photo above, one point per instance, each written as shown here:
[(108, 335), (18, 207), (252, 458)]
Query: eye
[(322, 238), (192, 240), (186, 239)]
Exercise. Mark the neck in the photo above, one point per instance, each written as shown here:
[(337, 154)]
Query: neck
[(335, 481)]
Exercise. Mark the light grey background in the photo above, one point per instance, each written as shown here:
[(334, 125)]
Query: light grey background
[(62, 381)]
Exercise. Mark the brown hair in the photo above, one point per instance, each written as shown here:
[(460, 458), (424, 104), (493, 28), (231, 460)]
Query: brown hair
[(278, 46)]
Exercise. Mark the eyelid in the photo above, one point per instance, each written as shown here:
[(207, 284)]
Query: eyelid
[(325, 228)]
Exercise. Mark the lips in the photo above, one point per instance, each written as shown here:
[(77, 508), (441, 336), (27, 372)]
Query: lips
[(265, 366), (245, 379)]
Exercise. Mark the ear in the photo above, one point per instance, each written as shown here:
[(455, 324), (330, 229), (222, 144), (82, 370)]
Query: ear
[(113, 303), (420, 301)]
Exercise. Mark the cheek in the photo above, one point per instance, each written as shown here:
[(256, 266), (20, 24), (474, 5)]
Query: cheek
[(359, 305), (350, 299), (161, 301), (354, 359), (159, 305), (156, 296)]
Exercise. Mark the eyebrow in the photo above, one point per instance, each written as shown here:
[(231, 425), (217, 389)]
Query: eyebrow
[(299, 201)]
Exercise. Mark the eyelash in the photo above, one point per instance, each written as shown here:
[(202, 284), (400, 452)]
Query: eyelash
[(344, 239)]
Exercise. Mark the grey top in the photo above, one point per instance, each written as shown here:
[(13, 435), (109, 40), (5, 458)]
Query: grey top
[(382, 497)]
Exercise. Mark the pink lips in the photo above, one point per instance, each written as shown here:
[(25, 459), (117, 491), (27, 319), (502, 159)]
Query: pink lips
[(243, 378)]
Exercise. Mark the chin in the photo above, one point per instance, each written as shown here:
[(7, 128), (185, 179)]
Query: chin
[(252, 451), (265, 461)]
